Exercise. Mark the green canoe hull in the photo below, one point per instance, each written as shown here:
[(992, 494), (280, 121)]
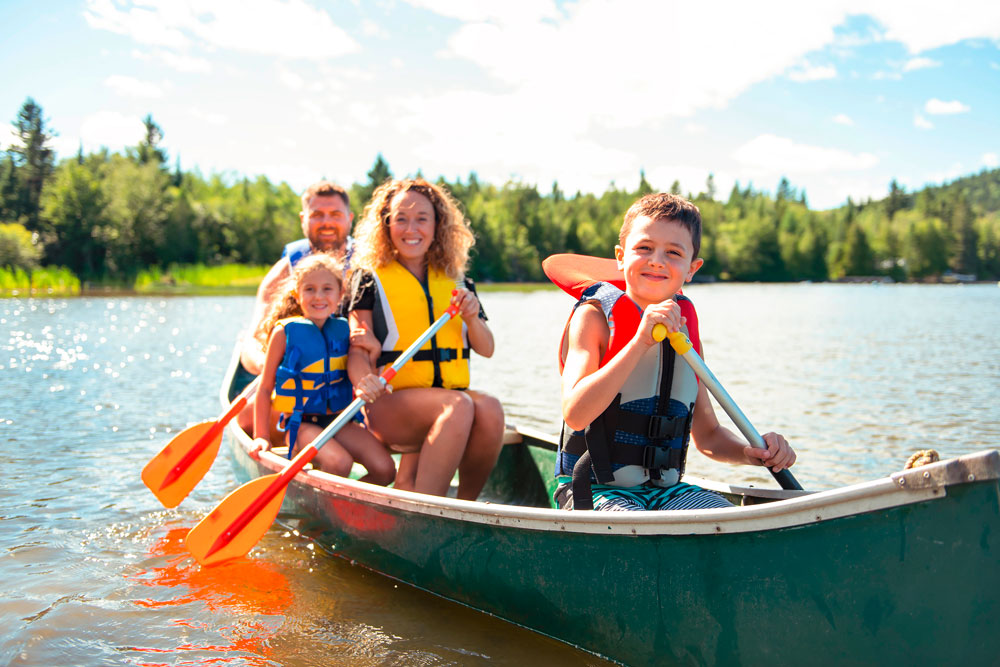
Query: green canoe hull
[(905, 569)]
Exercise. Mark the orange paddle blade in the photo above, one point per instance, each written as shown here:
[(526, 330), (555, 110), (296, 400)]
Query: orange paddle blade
[(182, 462), (233, 528)]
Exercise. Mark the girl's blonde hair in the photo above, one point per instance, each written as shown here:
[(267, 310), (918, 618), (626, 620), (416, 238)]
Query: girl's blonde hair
[(448, 252), (287, 303)]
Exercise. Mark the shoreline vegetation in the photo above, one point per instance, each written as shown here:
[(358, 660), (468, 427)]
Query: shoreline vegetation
[(131, 220), (243, 280)]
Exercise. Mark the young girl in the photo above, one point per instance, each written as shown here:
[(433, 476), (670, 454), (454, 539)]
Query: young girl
[(305, 375), (412, 249)]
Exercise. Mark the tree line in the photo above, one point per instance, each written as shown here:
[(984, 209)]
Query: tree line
[(107, 216)]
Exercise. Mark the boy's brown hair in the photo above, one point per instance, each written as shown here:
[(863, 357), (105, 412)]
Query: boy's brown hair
[(665, 205), (324, 189)]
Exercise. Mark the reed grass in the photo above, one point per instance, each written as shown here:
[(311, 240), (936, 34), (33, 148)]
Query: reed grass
[(49, 281), (199, 278)]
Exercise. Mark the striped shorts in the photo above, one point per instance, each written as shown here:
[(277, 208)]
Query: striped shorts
[(680, 496)]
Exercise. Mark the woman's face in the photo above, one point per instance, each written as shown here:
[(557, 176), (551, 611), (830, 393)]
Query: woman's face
[(411, 226)]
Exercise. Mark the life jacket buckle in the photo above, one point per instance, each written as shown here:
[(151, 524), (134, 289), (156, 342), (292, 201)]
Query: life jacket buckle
[(661, 458), (447, 354), (665, 428)]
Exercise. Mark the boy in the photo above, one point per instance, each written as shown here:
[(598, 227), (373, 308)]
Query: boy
[(629, 405)]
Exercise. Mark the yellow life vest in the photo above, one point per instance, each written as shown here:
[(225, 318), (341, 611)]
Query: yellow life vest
[(404, 309)]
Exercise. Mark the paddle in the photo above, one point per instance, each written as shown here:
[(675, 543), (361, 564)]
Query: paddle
[(682, 346), (183, 461), (242, 518)]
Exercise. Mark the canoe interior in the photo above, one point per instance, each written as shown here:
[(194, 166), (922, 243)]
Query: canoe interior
[(524, 476)]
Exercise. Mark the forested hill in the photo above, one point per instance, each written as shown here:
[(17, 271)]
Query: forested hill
[(106, 216)]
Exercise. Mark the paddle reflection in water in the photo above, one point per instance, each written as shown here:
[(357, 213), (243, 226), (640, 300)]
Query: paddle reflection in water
[(252, 588)]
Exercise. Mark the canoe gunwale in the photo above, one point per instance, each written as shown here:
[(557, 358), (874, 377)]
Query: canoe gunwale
[(807, 509)]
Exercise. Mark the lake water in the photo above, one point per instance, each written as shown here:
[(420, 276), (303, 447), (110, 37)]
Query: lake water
[(92, 570)]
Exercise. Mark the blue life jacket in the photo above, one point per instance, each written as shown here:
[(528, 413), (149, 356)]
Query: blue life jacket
[(312, 377), (298, 250)]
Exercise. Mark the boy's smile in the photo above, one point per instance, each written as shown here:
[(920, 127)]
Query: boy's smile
[(657, 259)]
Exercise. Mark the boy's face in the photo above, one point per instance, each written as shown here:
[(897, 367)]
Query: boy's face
[(658, 258)]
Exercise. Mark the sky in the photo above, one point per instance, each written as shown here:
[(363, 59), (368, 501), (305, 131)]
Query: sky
[(839, 96)]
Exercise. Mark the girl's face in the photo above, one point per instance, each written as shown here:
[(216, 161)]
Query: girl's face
[(411, 227), (319, 294)]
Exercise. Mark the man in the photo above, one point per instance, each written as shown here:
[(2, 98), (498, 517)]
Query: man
[(326, 223)]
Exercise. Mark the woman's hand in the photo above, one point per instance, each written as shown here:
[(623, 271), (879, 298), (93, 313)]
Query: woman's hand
[(467, 303), (364, 339), (370, 387)]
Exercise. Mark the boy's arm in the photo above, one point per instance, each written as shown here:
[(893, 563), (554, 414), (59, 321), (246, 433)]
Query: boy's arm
[(720, 444), (587, 388)]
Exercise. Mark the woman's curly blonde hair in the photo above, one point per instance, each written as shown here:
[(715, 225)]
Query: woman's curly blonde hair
[(448, 252), (287, 303)]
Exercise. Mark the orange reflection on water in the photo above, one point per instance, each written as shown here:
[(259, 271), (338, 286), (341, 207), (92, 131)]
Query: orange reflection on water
[(247, 587)]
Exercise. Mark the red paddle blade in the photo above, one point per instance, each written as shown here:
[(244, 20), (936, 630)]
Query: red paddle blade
[(182, 463), (229, 532), (575, 273)]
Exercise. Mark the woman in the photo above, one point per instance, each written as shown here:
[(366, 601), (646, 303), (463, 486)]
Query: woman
[(409, 262)]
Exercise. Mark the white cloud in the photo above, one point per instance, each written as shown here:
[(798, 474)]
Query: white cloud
[(786, 156), (991, 160), (936, 106), (929, 25), (813, 73), (110, 129), (184, 63), (922, 123), (695, 128), (919, 63), (507, 12), (128, 86), (290, 28), (371, 28), (144, 25), (210, 117), (843, 119)]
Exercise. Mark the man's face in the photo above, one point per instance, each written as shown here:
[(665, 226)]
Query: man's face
[(326, 222)]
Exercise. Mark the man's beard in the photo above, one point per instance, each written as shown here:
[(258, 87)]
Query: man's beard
[(328, 244)]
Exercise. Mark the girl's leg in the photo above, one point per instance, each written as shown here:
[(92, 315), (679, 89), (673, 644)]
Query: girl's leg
[(332, 456), (406, 477), (369, 452), (485, 442), (435, 421)]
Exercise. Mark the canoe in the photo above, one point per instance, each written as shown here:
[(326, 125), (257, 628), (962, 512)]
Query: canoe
[(903, 569)]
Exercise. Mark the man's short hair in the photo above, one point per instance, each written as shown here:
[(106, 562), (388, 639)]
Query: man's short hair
[(324, 189), (664, 205)]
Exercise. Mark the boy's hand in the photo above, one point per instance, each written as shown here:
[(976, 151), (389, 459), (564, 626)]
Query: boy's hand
[(778, 456), (667, 313), (370, 387), (468, 304), (257, 446)]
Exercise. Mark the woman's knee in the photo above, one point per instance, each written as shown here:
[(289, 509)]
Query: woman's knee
[(489, 413)]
